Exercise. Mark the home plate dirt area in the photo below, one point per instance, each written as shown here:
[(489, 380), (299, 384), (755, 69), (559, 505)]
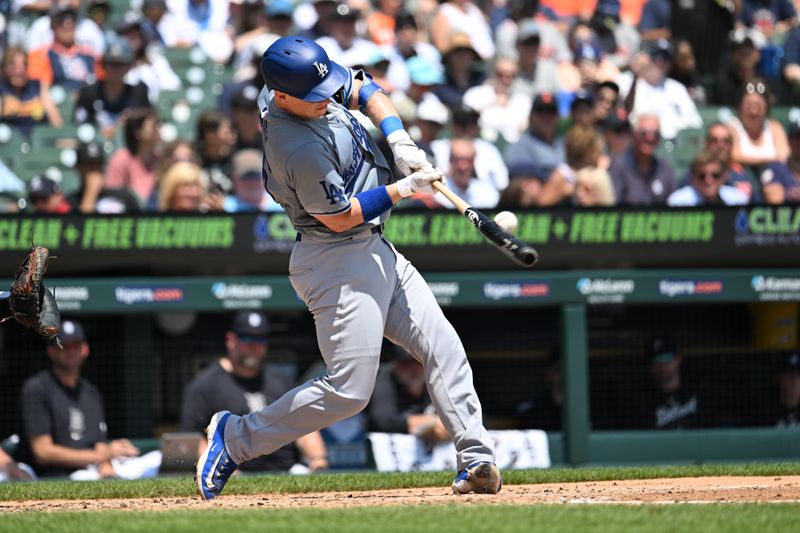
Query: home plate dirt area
[(650, 491)]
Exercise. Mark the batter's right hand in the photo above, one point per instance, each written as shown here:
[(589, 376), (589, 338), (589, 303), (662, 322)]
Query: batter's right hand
[(420, 181)]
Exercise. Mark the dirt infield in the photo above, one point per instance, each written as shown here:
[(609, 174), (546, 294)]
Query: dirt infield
[(661, 491)]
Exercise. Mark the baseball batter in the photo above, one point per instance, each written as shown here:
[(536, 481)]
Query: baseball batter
[(329, 175)]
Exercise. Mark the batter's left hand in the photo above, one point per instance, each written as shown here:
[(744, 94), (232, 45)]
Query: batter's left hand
[(407, 155)]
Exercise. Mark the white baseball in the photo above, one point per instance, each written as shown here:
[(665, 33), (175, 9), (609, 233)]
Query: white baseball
[(506, 220)]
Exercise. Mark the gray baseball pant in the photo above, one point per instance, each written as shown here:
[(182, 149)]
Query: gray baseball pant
[(359, 291)]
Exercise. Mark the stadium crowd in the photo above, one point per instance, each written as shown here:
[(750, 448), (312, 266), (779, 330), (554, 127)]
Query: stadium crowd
[(521, 102)]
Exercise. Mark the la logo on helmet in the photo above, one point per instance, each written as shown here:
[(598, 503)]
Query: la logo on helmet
[(322, 68)]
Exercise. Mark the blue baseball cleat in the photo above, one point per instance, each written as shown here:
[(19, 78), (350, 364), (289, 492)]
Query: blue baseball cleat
[(481, 478), (215, 465)]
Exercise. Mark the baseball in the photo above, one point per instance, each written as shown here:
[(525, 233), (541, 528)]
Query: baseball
[(506, 220)]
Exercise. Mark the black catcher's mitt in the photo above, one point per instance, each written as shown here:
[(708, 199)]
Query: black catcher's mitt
[(31, 303)]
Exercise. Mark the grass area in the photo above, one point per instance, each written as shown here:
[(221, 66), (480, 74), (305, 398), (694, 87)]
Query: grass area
[(359, 481), (477, 518)]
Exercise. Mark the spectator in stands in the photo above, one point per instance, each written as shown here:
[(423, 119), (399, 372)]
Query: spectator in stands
[(462, 17), (616, 133), (24, 102), (757, 139), (539, 146), (248, 184), (770, 17), (432, 117), (537, 74), (276, 22), (673, 402), (606, 100), (104, 102), (618, 37), (88, 34), (63, 62), (244, 120), (215, 142), (153, 12), (63, 419), (639, 176), (655, 21), (707, 184), (183, 189), (164, 28), (242, 382), (489, 165), (647, 89), (324, 9), (400, 402), (552, 32), (593, 188), (133, 166), (92, 196), (343, 44), (544, 412), (204, 23), (425, 82), (381, 22), (583, 147), (503, 111), (742, 59), (461, 178), (719, 138), (524, 189), (684, 71), (149, 66), (784, 409), (791, 59), (99, 12), (582, 109), (780, 184), (462, 70), (46, 196), (407, 45), (589, 63), (10, 470)]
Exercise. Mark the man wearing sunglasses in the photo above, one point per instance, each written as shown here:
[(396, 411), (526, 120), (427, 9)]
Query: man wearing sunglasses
[(241, 382), (706, 184)]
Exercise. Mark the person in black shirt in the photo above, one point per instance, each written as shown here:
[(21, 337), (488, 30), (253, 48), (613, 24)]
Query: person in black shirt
[(672, 403), (400, 402), (242, 383), (544, 412), (784, 410), (63, 419), (104, 102)]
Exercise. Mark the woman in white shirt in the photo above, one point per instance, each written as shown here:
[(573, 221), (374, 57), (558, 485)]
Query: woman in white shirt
[(757, 138)]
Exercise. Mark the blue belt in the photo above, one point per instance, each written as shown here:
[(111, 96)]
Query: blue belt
[(374, 230)]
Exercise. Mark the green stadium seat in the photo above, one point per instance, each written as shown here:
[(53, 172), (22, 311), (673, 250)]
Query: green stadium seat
[(44, 136), (13, 146)]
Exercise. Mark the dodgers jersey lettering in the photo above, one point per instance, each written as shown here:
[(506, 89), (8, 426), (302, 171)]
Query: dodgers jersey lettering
[(316, 166)]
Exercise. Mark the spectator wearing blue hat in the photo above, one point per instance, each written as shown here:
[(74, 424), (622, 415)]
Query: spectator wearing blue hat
[(536, 73)]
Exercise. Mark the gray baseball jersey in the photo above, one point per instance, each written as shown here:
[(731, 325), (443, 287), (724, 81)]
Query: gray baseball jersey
[(315, 166), (359, 289)]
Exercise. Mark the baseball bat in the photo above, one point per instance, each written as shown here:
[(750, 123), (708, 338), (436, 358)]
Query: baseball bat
[(521, 253)]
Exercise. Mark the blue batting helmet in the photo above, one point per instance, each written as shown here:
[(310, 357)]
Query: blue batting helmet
[(301, 68)]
